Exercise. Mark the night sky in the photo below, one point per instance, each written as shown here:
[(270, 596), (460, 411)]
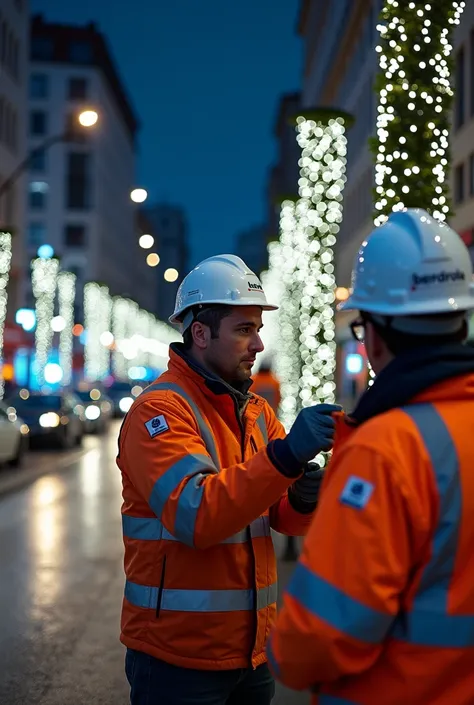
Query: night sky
[(204, 77)]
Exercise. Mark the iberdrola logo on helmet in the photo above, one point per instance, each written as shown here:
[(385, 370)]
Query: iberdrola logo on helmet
[(437, 278)]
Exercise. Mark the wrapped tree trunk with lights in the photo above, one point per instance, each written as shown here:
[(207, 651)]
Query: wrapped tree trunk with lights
[(321, 137), (415, 98), (288, 363), (44, 274)]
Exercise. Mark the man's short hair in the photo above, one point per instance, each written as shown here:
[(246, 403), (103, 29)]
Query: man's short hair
[(211, 316), (399, 342)]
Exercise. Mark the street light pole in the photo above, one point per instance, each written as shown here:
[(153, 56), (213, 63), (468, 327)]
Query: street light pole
[(86, 120), (15, 175)]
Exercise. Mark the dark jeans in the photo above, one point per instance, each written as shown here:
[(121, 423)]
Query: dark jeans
[(154, 682)]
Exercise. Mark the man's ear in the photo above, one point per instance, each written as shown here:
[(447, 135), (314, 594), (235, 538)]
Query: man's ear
[(201, 335)]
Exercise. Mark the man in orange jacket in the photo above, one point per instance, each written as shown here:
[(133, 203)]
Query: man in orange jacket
[(266, 385), (207, 472), (380, 609)]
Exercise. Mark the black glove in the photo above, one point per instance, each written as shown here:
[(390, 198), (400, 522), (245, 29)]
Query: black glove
[(303, 494), (312, 431)]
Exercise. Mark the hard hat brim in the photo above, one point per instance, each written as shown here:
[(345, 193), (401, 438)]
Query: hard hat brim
[(176, 317), (461, 303)]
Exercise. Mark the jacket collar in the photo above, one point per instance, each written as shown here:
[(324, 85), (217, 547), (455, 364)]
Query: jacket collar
[(405, 379), (182, 364)]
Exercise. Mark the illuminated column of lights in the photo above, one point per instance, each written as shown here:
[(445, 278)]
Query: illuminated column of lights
[(97, 314), (44, 277), (319, 214), (120, 308), (150, 328), (162, 337), (283, 259), (142, 335), (131, 348), (66, 297), (5, 263), (272, 285), (415, 97), (106, 337)]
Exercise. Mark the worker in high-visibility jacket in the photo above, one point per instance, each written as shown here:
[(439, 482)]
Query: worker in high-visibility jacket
[(207, 471), (380, 609), (266, 385)]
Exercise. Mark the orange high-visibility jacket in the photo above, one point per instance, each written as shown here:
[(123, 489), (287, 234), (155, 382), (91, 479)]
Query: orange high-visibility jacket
[(380, 608), (266, 385), (200, 495)]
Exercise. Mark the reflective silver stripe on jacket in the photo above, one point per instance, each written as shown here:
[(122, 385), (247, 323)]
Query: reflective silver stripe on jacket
[(151, 529), (430, 621), (262, 424), (200, 600)]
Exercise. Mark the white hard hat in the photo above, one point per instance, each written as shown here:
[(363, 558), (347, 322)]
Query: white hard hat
[(412, 265), (222, 279)]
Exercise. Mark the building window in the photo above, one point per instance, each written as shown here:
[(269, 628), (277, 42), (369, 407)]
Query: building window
[(459, 88), (39, 85), (38, 160), (42, 48), (78, 181), (38, 123), (36, 234), (37, 196), (459, 183), (80, 52), (75, 235), (77, 89)]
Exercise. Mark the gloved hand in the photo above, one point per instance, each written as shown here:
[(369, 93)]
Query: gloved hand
[(312, 431), (304, 493)]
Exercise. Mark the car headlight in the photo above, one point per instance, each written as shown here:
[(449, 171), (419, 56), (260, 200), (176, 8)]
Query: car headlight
[(24, 429), (49, 420), (92, 412), (125, 404)]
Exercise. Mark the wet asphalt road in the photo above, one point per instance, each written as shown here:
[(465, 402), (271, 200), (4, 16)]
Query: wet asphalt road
[(61, 581)]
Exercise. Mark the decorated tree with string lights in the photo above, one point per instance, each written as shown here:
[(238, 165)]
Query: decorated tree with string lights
[(415, 97)]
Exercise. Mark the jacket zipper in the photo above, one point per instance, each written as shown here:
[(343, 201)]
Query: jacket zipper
[(242, 449), (160, 589)]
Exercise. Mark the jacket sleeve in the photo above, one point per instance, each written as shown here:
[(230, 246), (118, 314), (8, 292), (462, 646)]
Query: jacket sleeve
[(283, 517), (345, 591), (174, 473)]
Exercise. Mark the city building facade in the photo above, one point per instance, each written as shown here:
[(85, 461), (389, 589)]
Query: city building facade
[(170, 225), (251, 246), (283, 175), (79, 189), (14, 48)]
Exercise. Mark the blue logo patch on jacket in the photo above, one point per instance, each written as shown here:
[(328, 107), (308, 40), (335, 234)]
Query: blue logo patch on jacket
[(157, 425), (356, 492)]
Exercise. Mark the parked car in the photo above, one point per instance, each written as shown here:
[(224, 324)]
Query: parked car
[(98, 409), (122, 395), (55, 418), (14, 434)]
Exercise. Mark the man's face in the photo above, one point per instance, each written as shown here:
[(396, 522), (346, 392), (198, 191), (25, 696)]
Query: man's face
[(232, 355)]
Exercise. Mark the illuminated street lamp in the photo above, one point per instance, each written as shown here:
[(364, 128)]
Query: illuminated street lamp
[(171, 274), (88, 118), (153, 259), (139, 195), (146, 241)]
